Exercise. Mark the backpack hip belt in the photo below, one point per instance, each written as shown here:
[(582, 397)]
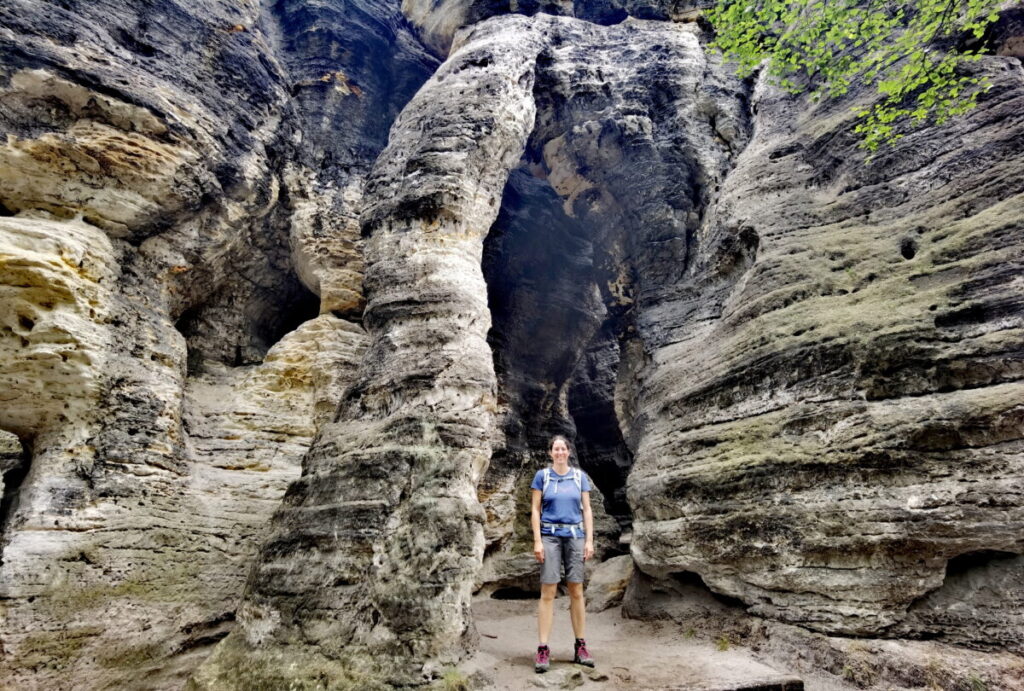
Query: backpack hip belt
[(571, 526)]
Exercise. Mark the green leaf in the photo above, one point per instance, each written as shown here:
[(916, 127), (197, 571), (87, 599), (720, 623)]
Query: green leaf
[(823, 48)]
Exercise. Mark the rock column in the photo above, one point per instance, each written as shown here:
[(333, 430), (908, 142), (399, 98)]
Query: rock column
[(370, 565)]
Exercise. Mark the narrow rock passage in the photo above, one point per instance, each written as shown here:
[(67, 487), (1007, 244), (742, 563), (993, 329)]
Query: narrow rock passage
[(605, 201)]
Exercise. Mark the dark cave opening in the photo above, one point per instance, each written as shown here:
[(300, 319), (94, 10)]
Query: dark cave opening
[(239, 323), (288, 310), (591, 402), (553, 338), (15, 461), (693, 580), (514, 593), (963, 563)]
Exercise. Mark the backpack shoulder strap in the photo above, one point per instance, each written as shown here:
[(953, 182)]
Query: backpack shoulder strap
[(547, 479), (577, 477)]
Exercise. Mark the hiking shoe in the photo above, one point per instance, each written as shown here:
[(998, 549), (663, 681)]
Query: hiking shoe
[(582, 656), (542, 660)]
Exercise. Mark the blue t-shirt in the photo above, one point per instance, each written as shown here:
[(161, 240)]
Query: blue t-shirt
[(562, 501)]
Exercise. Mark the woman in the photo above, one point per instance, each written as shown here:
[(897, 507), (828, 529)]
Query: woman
[(563, 536)]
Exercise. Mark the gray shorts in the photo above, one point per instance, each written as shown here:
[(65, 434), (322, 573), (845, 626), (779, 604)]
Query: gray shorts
[(559, 552)]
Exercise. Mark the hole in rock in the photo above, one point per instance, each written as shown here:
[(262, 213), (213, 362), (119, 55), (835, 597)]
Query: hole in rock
[(15, 460), (205, 633), (476, 61), (133, 44), (207, 624), (973, 560), (689, 579), (908, 248), (242, 321), (191, 644), (301, 306), (966, 316), (514, 593)]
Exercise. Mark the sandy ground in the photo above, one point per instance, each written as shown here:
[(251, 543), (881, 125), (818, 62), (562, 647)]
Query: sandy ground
[(630, 654)]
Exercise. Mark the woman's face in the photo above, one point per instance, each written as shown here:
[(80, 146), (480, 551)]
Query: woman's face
[(559, 451)]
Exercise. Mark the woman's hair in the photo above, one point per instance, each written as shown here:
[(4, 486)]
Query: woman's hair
[(559, 437)]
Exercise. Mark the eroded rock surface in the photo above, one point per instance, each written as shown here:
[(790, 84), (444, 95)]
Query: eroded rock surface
[(150, 359), (146, 493), (830, 409), (371, 560), (437, 21), (608, 584), (796, 373)]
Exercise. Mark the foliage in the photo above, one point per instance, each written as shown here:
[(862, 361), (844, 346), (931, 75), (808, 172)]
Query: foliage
[(824, 47), (452, 680), (722, 642), (977, 683)]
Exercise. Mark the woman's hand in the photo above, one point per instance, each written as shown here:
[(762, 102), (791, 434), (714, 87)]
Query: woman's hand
[(588, 550), (538, 551)]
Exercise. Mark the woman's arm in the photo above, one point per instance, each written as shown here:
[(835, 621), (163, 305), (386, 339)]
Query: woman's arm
[(588, 526), (538, 545)]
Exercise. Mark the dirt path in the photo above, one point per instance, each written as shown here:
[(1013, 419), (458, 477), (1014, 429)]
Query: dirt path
[(630, 654)]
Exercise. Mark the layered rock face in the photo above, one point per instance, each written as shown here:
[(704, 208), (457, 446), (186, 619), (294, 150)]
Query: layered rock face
[(830, 411), (351, 66), (153, 246), (340, 585), (437, 21), (795, 373)]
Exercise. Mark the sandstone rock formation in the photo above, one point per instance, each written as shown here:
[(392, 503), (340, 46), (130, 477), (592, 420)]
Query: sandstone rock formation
[(609, 582), (146, 268), (114, 521), (857, 423), (12, 463), (441, 174), (437, 21), (242, 250), (611, 133), (371, 560)]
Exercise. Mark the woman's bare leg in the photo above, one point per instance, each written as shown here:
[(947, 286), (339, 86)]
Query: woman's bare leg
[(577, 609), (546, 611)]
